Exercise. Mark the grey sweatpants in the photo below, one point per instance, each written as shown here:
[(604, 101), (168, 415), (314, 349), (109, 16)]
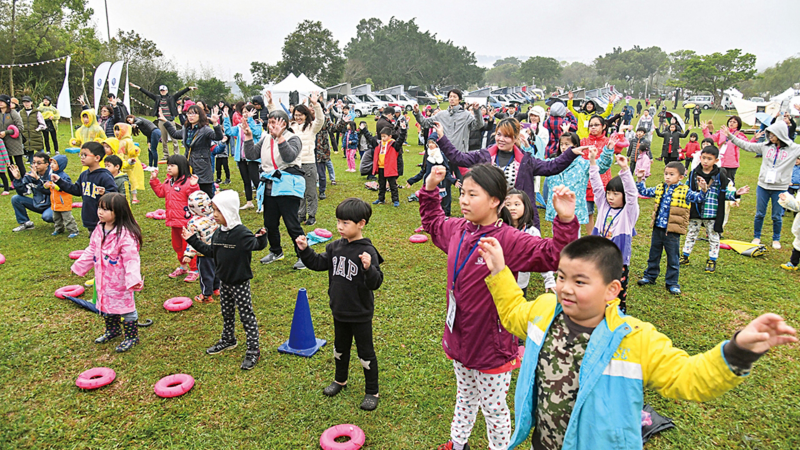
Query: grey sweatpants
[(308, 204), (64, 220), (165, 138)]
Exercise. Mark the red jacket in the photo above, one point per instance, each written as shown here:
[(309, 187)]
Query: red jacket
[(599, 142), (691, 148), (390, 160), (177, 199)]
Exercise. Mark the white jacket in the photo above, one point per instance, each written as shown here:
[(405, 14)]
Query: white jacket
[(309, 135), (793, 204)]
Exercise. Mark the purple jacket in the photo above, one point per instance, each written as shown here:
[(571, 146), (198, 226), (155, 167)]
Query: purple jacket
[(529, 167), (478, 339)]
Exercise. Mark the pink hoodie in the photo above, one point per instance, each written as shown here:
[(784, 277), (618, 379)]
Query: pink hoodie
[(115, 260), (730, 160)]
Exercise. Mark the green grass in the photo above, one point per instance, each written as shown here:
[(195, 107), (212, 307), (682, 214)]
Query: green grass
[(45, 343)]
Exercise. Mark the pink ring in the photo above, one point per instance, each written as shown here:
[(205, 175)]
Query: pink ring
[(95, 378), (73, 290), (2, 259), (177, 304), (322, 232), (77, 204), (174, 385), (75, 254), (14, 131), (418, 238), (356, 435)]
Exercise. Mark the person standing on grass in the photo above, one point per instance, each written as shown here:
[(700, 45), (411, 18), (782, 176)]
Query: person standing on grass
[(151, 133), (322, 152), (247, 169), (165, 106), (455, 121), (306, 125), (51, 117), (588, 110), (672, 142), (696, 112), (728, 151)]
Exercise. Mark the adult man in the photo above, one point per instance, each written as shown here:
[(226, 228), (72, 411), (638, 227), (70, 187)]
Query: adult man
[(165, 104), (456, 121), (32, 183)]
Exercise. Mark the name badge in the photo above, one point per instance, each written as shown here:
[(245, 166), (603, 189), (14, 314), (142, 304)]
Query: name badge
[(771, 176), (451, 310)]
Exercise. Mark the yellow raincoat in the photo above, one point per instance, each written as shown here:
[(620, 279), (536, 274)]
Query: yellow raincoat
[(129, 153), (88, 133)]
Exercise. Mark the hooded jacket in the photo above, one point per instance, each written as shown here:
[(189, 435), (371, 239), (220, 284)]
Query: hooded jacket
[(123, 185), (478, 340), (59, 200), (236, 141), (202, 222), (349, 285), (620, 229), (86, 188), (793, 204), (50, 112), (583, 117), (115, 260), (671, 138), (434, 158), (90, 132), (34, 124), (263, 111), (30, 185), (13, 145), (558, 116), (198, 148), (129, 153), (391, 160), (781, 160), (457, 123), (529, 167), (231, 245), (170, 98), (177, 199), (600, 143)]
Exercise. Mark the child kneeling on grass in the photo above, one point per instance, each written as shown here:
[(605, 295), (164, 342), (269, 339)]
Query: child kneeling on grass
[(579, 334), (353, 266), (232, 246)]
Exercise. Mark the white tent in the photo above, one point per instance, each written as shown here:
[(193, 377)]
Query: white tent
[(301, 84), (788, 93), (747, 110)]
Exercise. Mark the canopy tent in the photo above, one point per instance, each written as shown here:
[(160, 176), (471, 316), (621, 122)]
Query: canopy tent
[(301, 84), (788, 93), (747, 110)]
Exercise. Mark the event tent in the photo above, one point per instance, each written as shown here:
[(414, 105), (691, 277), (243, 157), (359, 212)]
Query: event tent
[(301, 84)]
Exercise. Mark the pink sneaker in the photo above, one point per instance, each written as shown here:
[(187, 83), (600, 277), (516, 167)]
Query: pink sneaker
[(6, 193), (178, 272), (193, 276)]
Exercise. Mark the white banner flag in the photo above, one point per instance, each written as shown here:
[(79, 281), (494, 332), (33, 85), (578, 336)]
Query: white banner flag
[(99, 82), (114, 76), (127, 99), (63, 105)]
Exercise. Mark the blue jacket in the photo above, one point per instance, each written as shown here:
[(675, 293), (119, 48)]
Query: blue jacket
[(235, 141), (796, 177), (27, 184)]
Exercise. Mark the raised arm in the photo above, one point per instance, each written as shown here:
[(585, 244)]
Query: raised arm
[(477, 120), (175, 134), (318, 262), (553, 166), (463, 159)]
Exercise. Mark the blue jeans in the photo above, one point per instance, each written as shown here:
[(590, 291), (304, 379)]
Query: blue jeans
[(763, 197), (669, 242), (329, 165), (21, 204), (155, 138)]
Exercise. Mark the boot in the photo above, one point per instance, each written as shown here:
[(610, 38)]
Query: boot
[(112, 329), (131, 336)]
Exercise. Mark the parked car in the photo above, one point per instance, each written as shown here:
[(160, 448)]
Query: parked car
[(757, 99), (361, 108), (705, 101)]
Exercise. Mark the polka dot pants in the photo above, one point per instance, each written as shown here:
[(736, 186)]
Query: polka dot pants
[(233, 297), (487, 391)]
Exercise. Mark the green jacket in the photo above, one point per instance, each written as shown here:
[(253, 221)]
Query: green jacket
[(34, 124)]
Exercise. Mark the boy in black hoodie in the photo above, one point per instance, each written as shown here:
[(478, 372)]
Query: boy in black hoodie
[(711, 213), (91, 184), (353, 266)]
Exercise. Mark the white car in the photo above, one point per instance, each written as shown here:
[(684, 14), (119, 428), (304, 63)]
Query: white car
[(704, 101), (361, 108)]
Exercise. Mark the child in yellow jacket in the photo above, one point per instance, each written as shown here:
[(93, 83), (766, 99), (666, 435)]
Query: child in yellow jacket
[(580, 334)]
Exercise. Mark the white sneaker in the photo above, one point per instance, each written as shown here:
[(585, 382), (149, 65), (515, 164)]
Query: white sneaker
[(755, 241), (776, 245)]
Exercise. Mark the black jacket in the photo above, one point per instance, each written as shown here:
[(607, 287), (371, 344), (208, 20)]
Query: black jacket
[(263, 112), (145, 126), (199, 152), (232, 251), (349, 285), (675, 138), (717, 179), (86, 187), (173, 107)]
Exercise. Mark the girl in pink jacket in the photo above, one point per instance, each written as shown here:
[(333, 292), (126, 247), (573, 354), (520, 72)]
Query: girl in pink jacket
[(728, 151), (113, 252)]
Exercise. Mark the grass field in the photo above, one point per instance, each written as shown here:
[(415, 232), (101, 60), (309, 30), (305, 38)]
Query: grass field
[(45, 342)]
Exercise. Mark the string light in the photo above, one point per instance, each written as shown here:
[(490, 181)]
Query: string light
[(38, 63)]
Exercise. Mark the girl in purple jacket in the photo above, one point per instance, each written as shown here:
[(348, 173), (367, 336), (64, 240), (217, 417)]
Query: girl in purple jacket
[(483, 352)]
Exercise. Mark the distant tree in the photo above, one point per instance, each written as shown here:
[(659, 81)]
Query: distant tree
[(505, 75), (264, 73), (509, 60), (248, 90), (635, 64), (211, 90), (715, 72), (775, 79), (311, 50), (545, 70)]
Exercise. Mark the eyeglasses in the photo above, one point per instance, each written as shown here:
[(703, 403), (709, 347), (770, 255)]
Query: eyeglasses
[(191, 113), (592, 125), (39, 163)]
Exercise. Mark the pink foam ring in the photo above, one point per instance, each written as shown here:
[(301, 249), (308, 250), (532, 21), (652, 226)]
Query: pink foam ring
[(176, 304), (77, 204), (73, 290), (418, 238), (322, 232), (2, 258), (149, 215), (95, 378), (14, 131), (328, 439), (160, 215), (174, 385), (75, 254), (161, 211), (725, 246)]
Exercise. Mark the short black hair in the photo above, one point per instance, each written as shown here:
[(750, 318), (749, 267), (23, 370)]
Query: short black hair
[(95, 148), (677, 166), (605, 255), (642, 129), (354, 209), (711, 150), (113, 160), (457, 92), (386, 130), (110, 95), (615, 185), (42, 155), (707, 141), (694, 135)]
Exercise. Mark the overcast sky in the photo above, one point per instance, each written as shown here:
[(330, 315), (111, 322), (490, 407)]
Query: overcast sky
[(225, 36)]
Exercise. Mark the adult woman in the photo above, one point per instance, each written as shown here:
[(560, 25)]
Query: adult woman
[(519, 167), (728, 151), (672, 142), (589, 109), (597, 137), (153, 135), (248, 169), (536, 118), (306, 125), (51, 118), (197, 137), (13, 145), (106, 120), (646, 122)]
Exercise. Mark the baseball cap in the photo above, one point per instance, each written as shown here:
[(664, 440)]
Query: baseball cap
[(162, 88)]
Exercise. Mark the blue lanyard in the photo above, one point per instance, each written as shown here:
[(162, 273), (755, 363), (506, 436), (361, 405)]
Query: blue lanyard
[(497, 159), (603, 228), (456, 268)]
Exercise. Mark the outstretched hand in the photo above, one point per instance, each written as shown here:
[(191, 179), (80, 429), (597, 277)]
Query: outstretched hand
[(194, 180), (744, 190), (764, 332), (622, 162), (592, 155), (439, 130), (492, 253), (564, 203), (186, 234), (261, 232), (154, 174)]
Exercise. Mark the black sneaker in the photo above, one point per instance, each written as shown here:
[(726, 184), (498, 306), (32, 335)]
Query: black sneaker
[(711, 266), (271, 258), (322, 196), (250, 360), (645, 282), (218, 181), (684, 260), (333, 389), (220, 346), (228, 181), (310, 221)]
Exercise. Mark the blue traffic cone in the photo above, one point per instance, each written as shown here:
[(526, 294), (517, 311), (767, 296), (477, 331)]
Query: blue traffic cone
[(302, 341)]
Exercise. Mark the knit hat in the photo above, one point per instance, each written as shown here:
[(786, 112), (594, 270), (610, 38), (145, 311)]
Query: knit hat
[(558, 109), (537, 111), (5, 99)]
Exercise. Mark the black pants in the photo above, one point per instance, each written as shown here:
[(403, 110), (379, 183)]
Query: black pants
[(249, 172), (669, 159), (696, 120), (623, 294), (731, 174), (382, 187), (323, 184), (344, 332), (447, 200), (208, 275), (688, 164), (19, 161), (334, 140), (222, 163), (231, 298), (50, 133), (282, 206), (795, 259), (208, 188)]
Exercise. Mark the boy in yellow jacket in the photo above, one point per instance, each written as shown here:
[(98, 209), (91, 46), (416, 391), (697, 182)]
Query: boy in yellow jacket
[(579, 334)]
